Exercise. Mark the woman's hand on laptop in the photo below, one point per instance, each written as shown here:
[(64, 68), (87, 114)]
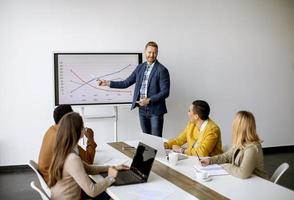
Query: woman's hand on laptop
[(122, 167), (112, 172)]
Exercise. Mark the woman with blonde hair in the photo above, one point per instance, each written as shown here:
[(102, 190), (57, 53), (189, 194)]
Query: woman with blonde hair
[(245, 157), (67, 173)]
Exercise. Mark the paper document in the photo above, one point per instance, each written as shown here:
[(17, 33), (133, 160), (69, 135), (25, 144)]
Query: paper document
[(212, 170), (208, 167)]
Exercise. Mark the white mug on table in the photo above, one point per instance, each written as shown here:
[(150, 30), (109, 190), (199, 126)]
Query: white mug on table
[(202, 175), (173, 158)]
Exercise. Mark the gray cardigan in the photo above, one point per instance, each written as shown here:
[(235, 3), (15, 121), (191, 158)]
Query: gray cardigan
[(247, 161)]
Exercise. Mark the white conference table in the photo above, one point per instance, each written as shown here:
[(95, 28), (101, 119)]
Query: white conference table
[(159, 188)]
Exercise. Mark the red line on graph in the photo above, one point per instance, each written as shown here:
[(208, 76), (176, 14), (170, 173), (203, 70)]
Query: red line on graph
[(97, 88)]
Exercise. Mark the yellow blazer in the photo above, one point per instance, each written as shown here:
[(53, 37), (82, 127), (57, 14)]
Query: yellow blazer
[(205, 143)]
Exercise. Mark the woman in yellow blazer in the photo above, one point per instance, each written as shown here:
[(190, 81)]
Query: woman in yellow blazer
[(202, 135), (245, 157)]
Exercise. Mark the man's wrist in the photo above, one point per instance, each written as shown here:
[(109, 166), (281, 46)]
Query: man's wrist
[(183, 150)]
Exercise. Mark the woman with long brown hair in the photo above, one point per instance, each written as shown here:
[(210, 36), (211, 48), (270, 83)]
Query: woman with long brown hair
[(245, 157), (67, 173)]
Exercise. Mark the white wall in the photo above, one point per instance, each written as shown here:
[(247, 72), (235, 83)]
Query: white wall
[(234, 54)]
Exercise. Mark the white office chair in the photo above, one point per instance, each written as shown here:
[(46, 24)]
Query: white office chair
[(44, 185), (279, 172), (39, 189)]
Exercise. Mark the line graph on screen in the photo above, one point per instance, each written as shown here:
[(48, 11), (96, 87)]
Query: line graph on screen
[(76, 78)]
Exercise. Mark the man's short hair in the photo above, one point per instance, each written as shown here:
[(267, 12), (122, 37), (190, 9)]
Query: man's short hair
[(201, 108), (60, 111), (151, 44)]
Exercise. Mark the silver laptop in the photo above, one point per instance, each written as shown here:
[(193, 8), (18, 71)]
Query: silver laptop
[(157, 143)]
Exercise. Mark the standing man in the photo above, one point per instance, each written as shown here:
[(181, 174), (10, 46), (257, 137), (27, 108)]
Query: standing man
[(152, 88)]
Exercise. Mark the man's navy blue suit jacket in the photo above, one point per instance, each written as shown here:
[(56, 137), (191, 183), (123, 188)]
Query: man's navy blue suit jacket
[(157, 89)]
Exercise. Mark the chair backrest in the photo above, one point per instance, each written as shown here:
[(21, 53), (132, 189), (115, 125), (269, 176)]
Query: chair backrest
[(39, 189), (44, 185), (279, 172)]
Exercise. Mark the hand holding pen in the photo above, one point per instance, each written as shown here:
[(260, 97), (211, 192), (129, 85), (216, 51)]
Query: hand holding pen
[(204, 161), (198, 156)]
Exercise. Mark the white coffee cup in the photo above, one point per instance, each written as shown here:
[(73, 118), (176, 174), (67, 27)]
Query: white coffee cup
[(202, 175), (173, 158)]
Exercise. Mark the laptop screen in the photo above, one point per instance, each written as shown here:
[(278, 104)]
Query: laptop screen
[(155, 142), (143, 159)]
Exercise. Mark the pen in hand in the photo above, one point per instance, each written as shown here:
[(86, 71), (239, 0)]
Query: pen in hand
[(202, 162), (198, 157)]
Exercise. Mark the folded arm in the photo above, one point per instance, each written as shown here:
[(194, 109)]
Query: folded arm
[(88, 155)]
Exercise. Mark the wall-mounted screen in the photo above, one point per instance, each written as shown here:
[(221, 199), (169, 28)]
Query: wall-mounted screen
[(76, 76)]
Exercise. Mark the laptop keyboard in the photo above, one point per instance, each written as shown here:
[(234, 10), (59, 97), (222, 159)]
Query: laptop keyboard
[(126, 177)]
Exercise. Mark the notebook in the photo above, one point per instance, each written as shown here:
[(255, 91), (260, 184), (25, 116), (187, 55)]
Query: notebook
[(140, 167), (212, 170)]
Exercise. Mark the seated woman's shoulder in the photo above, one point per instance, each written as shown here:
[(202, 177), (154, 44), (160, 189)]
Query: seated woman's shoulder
[(72, 156), (253, 145)]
